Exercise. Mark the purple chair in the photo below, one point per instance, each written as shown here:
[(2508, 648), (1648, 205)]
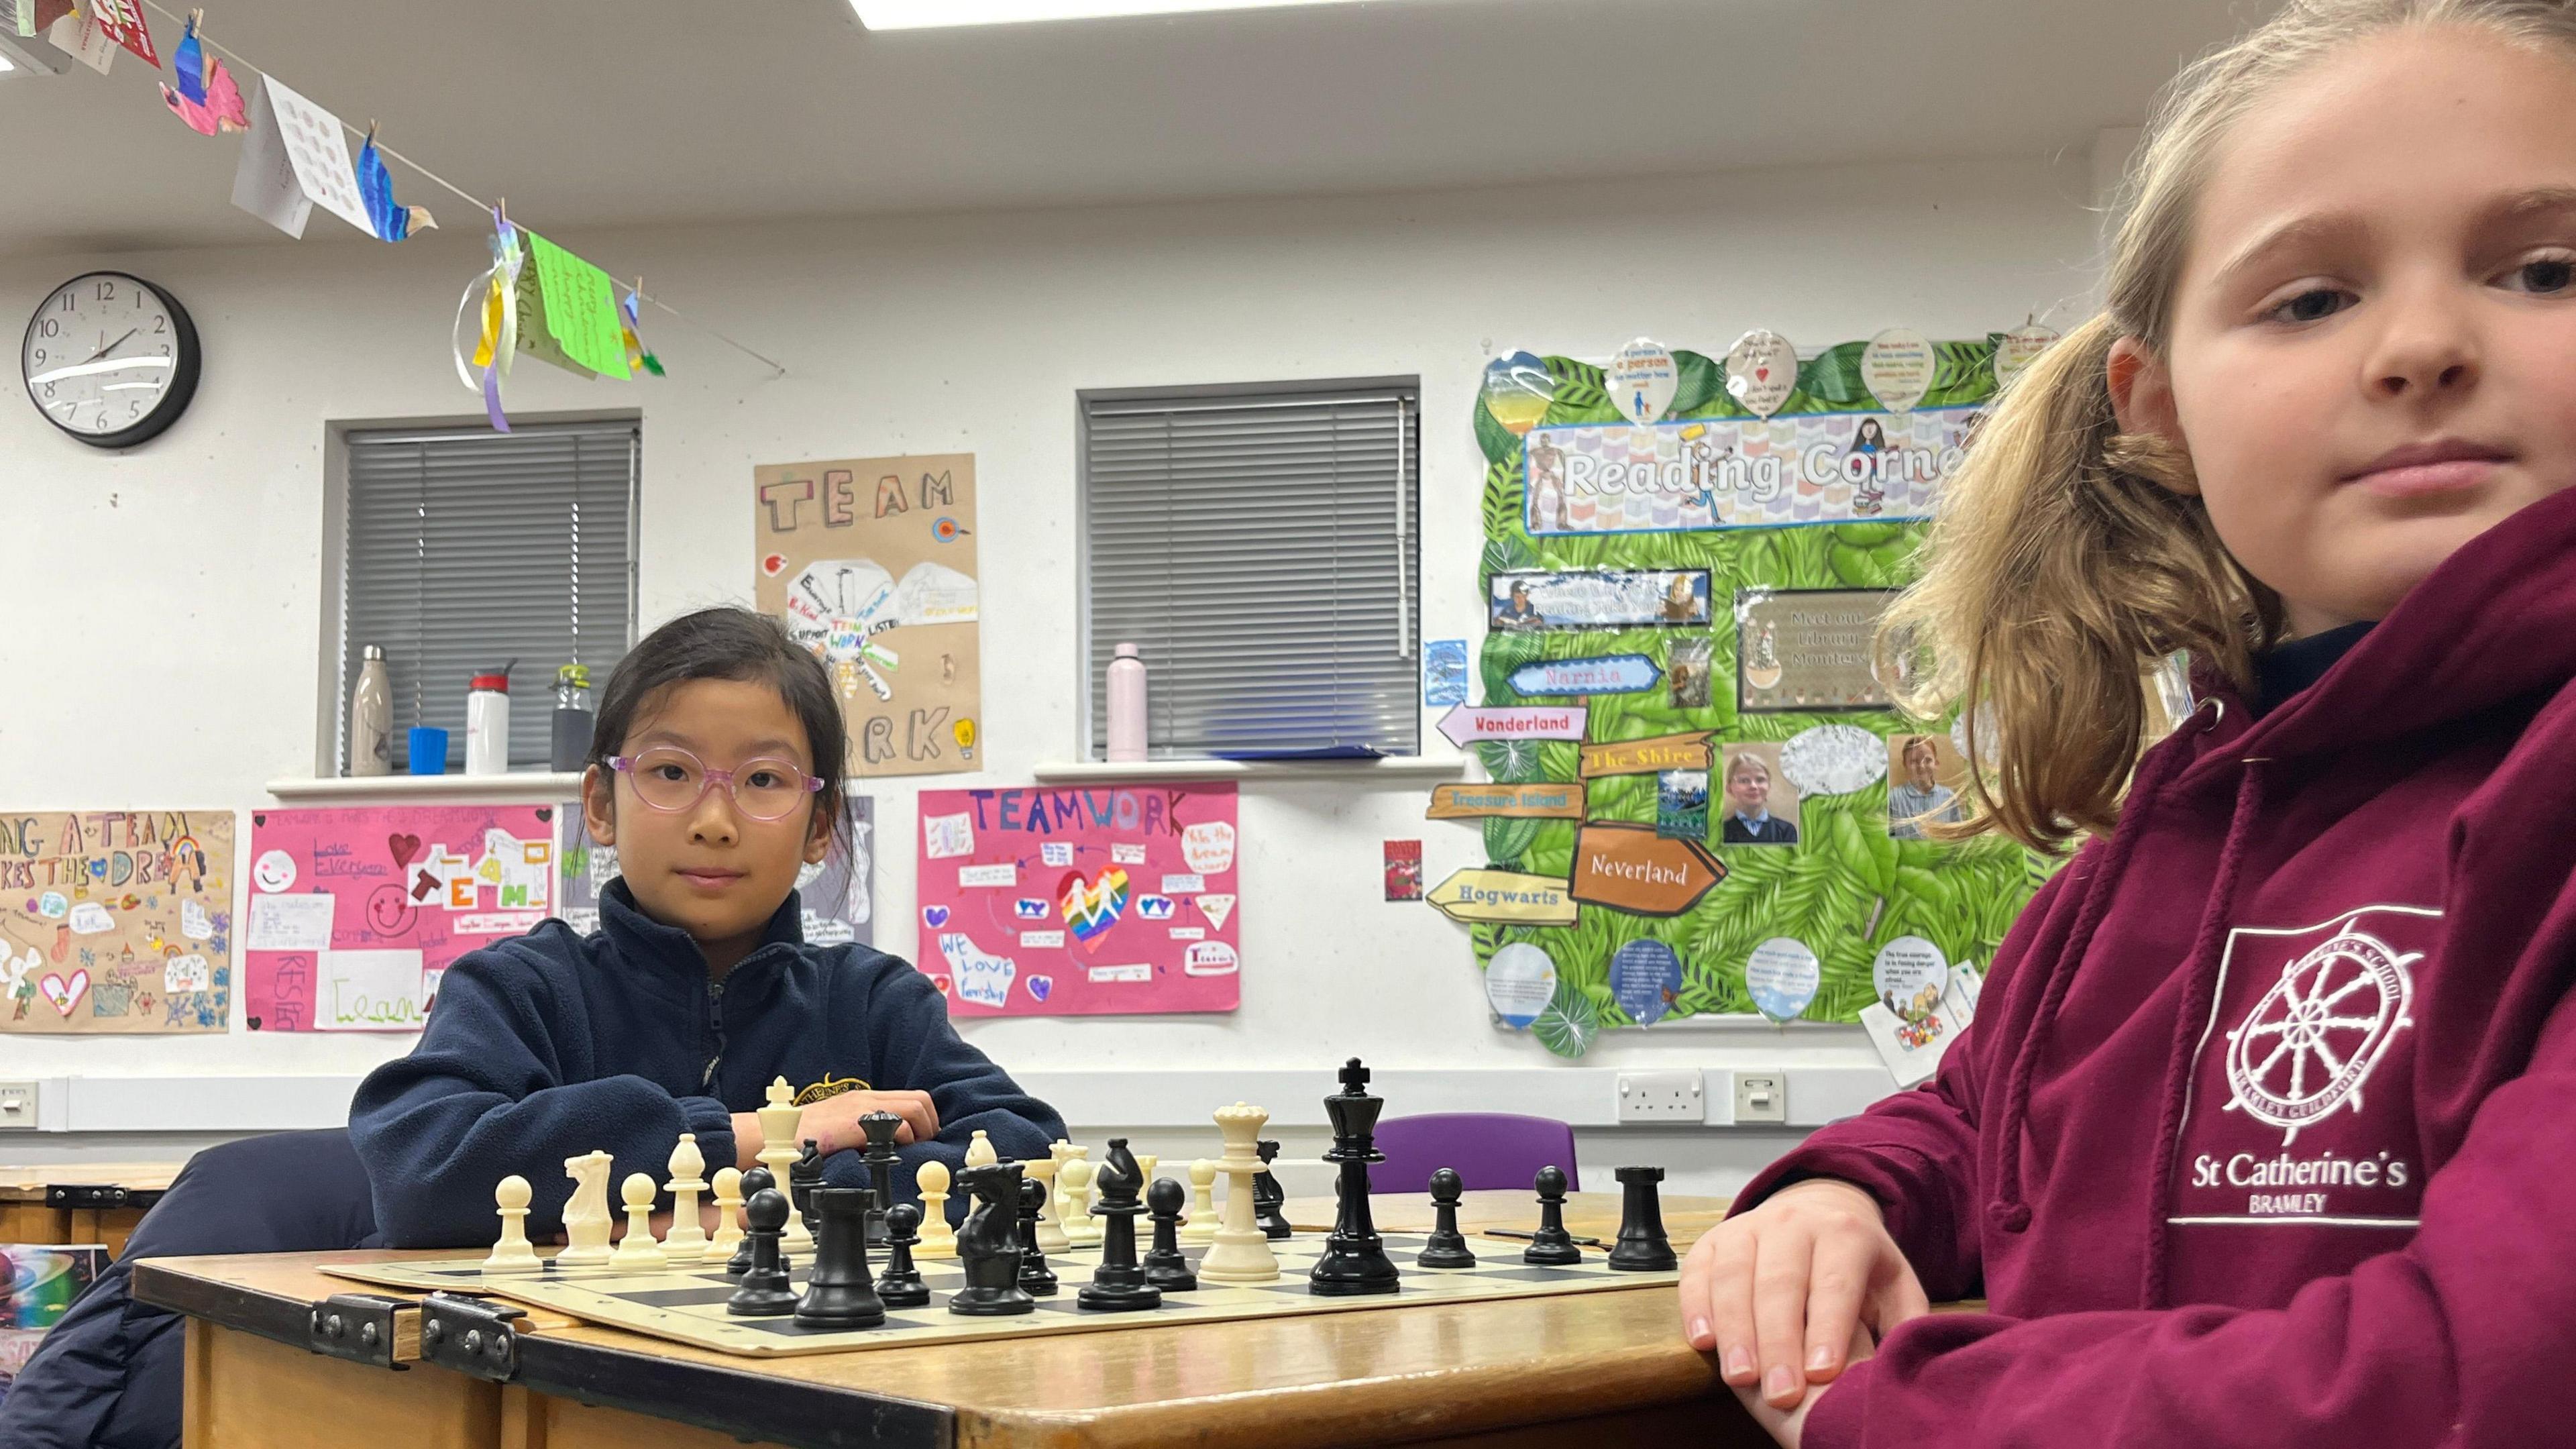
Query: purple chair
[(1488, 1150)]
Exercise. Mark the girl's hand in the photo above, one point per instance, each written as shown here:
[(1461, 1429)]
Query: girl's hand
[(1787, 1426), (1780, 1292), (833, 1124)]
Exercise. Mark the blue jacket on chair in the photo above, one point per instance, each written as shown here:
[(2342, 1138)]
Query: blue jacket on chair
[(552, 1044)]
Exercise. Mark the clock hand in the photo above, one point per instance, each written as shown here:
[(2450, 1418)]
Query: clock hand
[(111, 347)]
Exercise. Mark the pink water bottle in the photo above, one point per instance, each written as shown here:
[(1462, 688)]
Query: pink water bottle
[(1126, 705)]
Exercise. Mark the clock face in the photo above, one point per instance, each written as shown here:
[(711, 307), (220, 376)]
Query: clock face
[(110, 360)]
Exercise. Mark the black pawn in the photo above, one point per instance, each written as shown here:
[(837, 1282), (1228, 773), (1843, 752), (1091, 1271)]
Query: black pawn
[(1036, 1278), (989, 1244), (838, 1291), (1268, 1197), (1446, 1247), (803, 1176), (1118, 1285), (1642, 1246), (1551, 1245), (882, 1159), (1165, 1268), (900, 1285), (757, 1180), (764, 1292)]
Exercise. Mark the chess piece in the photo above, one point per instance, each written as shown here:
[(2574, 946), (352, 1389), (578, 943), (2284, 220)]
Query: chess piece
[(586, 1218), (1642, 1246), (1145, 1164), (764, 1292), (1165, 1268), (1446, 1247), (882, 1162), (638, 1253), (839, 1293), (900, 1285), (1354, 1260), (1551, 1245), (728, 1217), (979, 1151), (687, 1238), (1201, 1223), (1080, 1227), (989, 1245), (1036, 1278), (778, 1124), (1118, 1285), (1240, 1251), (512, 1254), (754, 1182), (938, 1238), (1050, 1228), (1268, 1197), (803, 1176)]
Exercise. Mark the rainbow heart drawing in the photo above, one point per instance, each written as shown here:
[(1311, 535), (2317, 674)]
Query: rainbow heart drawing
[(1092, 906)]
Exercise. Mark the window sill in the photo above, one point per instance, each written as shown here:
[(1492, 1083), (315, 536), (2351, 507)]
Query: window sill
[(1429, 767), (518, 785)]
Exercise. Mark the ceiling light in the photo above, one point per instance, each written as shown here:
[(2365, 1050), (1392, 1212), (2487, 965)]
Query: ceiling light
[(926, 14)]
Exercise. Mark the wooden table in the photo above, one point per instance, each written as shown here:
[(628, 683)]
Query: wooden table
[(79, 1202), (1522, 1373)]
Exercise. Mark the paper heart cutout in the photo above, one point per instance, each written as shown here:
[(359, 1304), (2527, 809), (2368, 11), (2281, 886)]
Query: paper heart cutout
[(934, 916), (1040, 987), (774, 564), (1762, 374), (254, 1023), (64, 992), (1092, 906), (942, 983), (545, 812), (404, 848), (259, 820)]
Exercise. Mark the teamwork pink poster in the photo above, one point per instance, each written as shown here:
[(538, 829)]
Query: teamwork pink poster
[(1076, 902), (355, 913)]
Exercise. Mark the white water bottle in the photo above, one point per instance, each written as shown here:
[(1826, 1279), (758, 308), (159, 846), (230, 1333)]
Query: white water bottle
[(487, 724), (1126, 705)]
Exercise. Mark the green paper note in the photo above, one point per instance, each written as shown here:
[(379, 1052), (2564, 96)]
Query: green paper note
[(580, 308)]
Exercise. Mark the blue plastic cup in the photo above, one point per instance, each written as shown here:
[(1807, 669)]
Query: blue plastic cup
[(428, 750)]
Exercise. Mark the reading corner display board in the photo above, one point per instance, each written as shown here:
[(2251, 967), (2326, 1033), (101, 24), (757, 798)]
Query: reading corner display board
[(871, 563), (1683, 570), (354, 914), (116, 921), (1075, 902)]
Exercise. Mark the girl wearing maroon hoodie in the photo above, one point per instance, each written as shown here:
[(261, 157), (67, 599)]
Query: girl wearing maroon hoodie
[(2266, 1132)]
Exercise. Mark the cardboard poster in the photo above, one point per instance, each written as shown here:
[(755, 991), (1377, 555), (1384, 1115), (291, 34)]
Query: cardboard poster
[(116, 921), (836, 898), (1808, 649), (1075, 902), (355, 913), (871, 563)]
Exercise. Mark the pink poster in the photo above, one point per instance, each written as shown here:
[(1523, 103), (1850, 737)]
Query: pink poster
[(355, 913), (1074, 902)]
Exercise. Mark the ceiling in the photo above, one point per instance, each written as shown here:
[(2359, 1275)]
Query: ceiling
[(590, 113)]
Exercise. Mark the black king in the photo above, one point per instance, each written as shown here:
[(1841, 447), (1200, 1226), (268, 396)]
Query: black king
[(1354, 1260)]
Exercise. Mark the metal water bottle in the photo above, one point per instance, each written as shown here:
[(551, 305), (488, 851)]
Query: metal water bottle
[(371, 717), (572, 718), (1126, 705)]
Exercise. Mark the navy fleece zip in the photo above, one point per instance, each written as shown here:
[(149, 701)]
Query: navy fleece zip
[(552, 1044)]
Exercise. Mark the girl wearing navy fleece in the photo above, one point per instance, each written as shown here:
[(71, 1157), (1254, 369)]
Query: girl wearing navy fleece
[(2263, 1134), (715, 772)]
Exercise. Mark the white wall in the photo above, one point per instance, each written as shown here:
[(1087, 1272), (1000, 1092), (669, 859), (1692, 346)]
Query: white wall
[(165, 608)]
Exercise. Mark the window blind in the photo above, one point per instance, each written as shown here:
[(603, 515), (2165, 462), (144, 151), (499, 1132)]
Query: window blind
[(1258, 548), (470, 548)]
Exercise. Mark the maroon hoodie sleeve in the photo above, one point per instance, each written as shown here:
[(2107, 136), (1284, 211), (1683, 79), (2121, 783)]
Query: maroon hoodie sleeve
[(1916, 1152), (2459, 1339)]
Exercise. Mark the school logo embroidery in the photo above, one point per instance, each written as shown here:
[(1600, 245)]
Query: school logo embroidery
[(2309, 1045), (831, 1086)]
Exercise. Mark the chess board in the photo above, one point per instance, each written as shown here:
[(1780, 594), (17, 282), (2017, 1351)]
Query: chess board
[(689, 1307)]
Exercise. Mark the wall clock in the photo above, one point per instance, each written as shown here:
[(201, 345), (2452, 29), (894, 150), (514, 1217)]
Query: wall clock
[(110, 359)]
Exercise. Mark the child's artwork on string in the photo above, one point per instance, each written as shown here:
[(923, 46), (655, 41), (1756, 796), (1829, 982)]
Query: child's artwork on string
[(116, 921)]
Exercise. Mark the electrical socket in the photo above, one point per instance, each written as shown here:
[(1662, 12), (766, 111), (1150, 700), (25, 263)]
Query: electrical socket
[(1661, 1097), (1761, 1097), (17, 1106)]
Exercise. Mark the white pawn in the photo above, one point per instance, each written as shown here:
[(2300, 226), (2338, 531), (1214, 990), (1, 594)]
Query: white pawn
[(1080, 1227), (688, 1167), (728, 1216), (1200, 1226), (1051, 1238), (639, 1252), (980, 1152), (1062, 1152), (1145, 1164), (938, 1239), (512, 1254)]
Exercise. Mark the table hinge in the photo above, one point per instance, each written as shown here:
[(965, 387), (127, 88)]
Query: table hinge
[(365, 1328), (87, 1196), (474, 1336)]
